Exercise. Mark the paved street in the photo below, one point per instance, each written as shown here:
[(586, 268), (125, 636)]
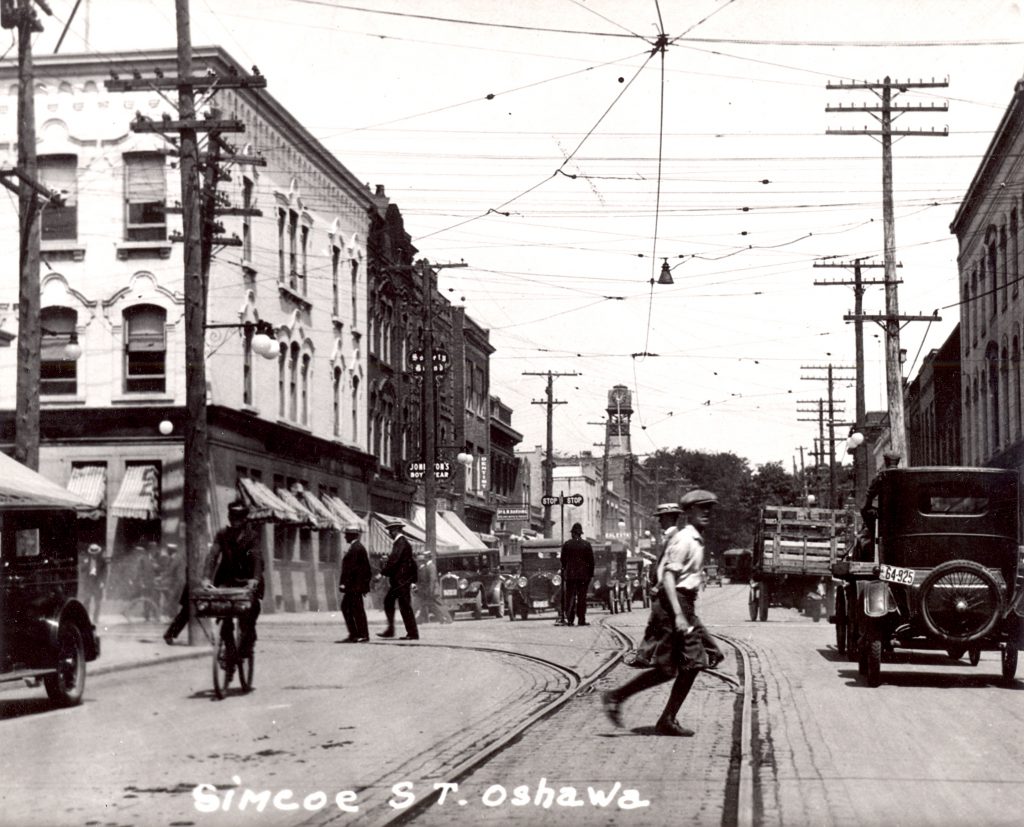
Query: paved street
[(932, 745)]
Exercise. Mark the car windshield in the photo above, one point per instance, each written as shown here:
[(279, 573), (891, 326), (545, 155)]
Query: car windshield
[(541, 561), (480, 561), (954, 505)]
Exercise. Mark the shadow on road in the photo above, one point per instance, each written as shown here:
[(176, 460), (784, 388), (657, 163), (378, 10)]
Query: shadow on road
[(931, 680)]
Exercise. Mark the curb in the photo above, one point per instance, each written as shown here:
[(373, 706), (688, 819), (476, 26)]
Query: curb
[(156, 661)]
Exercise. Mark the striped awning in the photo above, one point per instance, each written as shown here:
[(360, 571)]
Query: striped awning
[(90, 483), (264, 504), (307, 517), (327, 517), (380, 540), (138, 497), (341, 508)]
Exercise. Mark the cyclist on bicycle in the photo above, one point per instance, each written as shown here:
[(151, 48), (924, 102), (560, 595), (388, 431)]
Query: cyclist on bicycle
[(236, 560)]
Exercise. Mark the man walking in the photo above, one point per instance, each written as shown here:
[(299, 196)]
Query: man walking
[(92, 579), (577, 569), (428, 592), (401, 570), (353, 584)]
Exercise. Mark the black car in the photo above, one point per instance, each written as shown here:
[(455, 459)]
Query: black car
[(45, 633), (936, 566), (471, 581), (538, 586)]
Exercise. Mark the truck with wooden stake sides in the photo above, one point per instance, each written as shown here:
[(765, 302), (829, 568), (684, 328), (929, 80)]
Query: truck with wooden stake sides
[(791, 566)]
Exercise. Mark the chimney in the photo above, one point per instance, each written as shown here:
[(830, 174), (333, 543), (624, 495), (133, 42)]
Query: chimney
[(380, 190)]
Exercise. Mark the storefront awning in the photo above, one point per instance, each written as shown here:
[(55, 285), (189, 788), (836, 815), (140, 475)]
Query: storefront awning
[(138, 498), (306, 517), (90, 483), (340, 507), (468, 538), (23, 486), (380, 541), (326, 517), (264, 504)]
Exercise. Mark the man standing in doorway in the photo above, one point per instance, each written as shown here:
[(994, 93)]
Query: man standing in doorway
[(353, 584), (401, 570), (577, 569)]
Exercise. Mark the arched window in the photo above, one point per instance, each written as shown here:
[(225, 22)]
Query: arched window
[(336, 401), (355, 410), (145, 349), (306, 366), (293, 382), (282, 381), (58, 374)]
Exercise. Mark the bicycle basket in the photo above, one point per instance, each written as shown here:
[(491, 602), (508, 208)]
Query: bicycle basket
[(222, 602)]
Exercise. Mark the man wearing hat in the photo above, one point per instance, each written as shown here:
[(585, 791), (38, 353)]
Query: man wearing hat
[(577, 568), (428, 592), (353, 584), (91, 580), (668, 515), (401, 570), (685, 646)]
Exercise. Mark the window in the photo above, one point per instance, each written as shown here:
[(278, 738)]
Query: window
[(355, 410), (304, 236), (57, 373), (60, 173), (336, 401), (305, 388), (355, 293), (293, 381), (145, 195), (335, 260), (293, 264), (145, 349)]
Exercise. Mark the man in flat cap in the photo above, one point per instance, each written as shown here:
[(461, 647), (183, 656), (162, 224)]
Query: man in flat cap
[(353, 584), (679, 641), (577, 568), (401, 570)]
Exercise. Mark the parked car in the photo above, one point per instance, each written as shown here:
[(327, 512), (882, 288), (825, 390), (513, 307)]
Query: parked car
[(471, 581), (737, 563), (638, 573), (712, 576), (936, 566), (608, 585), (45, 633), (538, 586)]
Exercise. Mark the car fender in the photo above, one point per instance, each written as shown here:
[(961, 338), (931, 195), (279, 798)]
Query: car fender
[(74, 612), (878, 599)]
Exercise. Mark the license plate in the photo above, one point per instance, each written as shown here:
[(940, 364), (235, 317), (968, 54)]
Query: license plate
[(892, 574), (540, 604), (450, 593)]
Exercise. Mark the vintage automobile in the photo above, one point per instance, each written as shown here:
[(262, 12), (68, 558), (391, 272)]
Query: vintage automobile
[(45, 632), (737, 562), (608, 585), (638, 574), (471, 581), (936, 566), (538, 586), (712, 575)]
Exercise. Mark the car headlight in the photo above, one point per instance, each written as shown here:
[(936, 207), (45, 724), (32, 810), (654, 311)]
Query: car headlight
[(463, 583), (521, 582), (636, 583), (556, 580), (597, 584)]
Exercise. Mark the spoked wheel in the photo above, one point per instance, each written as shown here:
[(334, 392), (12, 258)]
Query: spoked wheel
[(478, 606), (67, 684), (223, 667), (1010, 662), (960, 602), (841, 623), (974, 656)]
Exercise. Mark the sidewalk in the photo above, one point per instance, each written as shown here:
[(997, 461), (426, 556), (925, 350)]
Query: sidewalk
[(127, 644)]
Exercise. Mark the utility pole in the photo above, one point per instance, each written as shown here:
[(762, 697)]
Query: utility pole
[(196, 496), (803, 473), (549, 461), (432, 368), (604, 477), (884, 114), (830, 378), (860, 455), (22, 16)]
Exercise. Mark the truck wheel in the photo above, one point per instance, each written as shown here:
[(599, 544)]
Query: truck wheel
[(974, 656), (1010, 662), (874, 658), (67, 683), (762, 603), (752, 603), (478, 606)]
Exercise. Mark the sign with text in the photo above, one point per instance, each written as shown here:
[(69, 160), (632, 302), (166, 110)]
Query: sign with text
[(417, 470), (568, 499), (513, 511)]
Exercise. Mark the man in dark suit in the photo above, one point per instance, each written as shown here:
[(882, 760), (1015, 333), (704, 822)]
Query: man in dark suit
[(401, 570), (353, 584), (577, 569)]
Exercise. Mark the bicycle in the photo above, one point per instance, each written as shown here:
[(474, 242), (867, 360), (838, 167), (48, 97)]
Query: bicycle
[(226, 604)]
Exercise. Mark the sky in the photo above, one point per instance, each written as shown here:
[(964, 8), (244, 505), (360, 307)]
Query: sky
[(552, 148)]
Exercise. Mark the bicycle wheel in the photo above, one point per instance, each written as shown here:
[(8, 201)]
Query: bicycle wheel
[(223, 663), (142, 609)]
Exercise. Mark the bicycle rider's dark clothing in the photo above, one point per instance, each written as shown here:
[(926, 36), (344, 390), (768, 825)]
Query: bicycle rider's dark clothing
[(235, 558)]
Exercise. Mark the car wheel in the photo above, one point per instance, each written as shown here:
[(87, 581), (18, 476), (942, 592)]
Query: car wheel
[(974, 656), (762, 603), (956, 652), (478, 606), (874, 658), (67, 684), (960, 602), (1010, 662), (841, 623), (752, 603)]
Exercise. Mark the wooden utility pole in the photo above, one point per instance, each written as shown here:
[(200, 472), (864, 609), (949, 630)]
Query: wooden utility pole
[(830, 441), (860, 463), (197, 235), (549, 460), (883, 112), (22, 16)]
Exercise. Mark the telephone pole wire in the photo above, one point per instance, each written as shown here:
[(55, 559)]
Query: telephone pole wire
[(549, 461)]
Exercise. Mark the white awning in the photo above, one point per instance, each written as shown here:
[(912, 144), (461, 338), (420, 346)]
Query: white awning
[(138, 497), (306, 517), (339, 507), (21, 485), (468, 538), (90, 483), (264, 504), (327, 518)]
